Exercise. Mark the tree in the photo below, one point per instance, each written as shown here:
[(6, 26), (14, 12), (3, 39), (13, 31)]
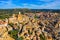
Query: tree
[(13, 34), (20, 38), (42, 37), (11, 24)]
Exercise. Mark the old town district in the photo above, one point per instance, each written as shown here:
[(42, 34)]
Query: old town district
[(30, 26)]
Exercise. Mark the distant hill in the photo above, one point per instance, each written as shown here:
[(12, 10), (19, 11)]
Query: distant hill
[(6, 13), (46, 10), (11, 11)]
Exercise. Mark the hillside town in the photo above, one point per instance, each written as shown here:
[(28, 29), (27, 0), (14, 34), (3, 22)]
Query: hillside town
[(30, 26)]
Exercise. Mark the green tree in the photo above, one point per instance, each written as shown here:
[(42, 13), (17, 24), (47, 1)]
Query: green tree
[(13, 34), (20, 38), (42, 37), (11, 24)]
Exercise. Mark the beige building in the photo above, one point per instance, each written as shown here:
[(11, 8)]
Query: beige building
[(13, 19)]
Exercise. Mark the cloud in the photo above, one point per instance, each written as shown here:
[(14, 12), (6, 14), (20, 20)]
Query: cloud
[(4, 0), (8, 4), (52, 5), (49, 5), (46, 0)]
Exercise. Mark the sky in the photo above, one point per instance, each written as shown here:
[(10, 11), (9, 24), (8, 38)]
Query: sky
[(31, 4)]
